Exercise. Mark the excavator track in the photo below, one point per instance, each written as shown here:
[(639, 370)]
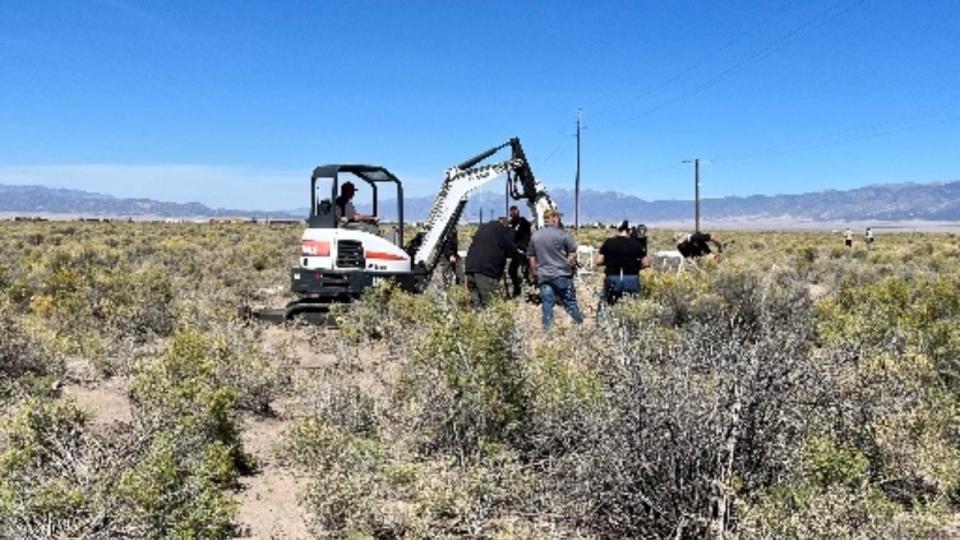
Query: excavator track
[(308, 310)]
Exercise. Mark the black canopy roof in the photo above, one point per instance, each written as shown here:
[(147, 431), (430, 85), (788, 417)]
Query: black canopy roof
[(368, 173)]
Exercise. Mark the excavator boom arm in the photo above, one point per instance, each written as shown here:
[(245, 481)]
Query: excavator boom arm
[(463, 179)]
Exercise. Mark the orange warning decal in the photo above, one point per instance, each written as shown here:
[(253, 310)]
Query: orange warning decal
[(314, 248), (384, 256)]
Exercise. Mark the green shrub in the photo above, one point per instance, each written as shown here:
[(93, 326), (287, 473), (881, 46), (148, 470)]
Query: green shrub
[(28, 365), (466, 380), (170, 493), (808, 511), (366, 489), (48, 477), (181, 392), (828, 463)]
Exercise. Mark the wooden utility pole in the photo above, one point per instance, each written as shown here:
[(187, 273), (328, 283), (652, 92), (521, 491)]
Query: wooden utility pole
[(696, 192), (506, 198), (576, 184)]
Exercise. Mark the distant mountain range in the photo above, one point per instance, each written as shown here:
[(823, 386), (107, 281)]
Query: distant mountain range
[(30, 200), (938, 201)]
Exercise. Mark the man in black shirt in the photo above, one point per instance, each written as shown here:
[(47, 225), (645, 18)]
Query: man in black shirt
[(622, 258), (518, 260), (491, 245)]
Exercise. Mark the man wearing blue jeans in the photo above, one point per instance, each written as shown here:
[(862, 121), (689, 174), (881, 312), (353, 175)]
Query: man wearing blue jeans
[(622, 258), (553, 256)]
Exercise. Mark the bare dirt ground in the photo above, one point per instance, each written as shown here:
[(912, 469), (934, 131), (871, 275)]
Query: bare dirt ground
[(106, 401), (268, 501), (951, 530), (269, 505)]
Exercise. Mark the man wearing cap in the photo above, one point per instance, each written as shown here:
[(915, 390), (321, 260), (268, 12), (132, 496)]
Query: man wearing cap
[(348, 213), (553, 256), (486, 257)]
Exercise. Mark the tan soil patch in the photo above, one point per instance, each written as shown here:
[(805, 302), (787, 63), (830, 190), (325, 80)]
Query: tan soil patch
[(951, 530), (106, 401), (269, 508), (817, 291), (268, 505), (311, 347), (79, 370)]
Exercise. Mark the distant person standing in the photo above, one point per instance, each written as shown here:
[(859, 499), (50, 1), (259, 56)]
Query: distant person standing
[(868, 237), (622, 258), (518, 261), (553, 257), (486, 258), (848, 237)]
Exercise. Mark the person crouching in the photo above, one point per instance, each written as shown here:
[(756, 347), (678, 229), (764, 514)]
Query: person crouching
[(491, 245)]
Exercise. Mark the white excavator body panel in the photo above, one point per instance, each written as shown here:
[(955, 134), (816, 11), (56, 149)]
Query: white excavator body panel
[(338, 249)]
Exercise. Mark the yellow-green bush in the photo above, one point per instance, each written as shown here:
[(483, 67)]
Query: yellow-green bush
[(368, 489), (435, 421)]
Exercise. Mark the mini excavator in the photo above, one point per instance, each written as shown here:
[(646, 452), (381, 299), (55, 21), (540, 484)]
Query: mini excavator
[(340, 259)]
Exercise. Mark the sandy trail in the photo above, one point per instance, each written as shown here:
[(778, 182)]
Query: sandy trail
[(269, 505)]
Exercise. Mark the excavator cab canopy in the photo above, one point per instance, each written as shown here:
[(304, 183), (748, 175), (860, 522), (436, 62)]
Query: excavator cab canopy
[(325, 188)]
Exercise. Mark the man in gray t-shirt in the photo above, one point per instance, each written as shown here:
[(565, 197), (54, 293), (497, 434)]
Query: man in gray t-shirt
[(553, 256)]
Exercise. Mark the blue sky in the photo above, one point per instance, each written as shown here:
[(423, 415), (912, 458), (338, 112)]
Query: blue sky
[(233, 103)]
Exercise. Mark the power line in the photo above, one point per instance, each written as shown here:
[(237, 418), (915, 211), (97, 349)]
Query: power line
[(817, 21), (838, 139), (679, 75), (553, 153), (563, 137)]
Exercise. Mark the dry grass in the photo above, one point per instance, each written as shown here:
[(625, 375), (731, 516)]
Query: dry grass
[(443, 423)]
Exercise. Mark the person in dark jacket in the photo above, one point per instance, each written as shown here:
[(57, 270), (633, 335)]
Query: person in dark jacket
[(697, 245), (491, 246), (622, 257), (518, 260), (450, 267)]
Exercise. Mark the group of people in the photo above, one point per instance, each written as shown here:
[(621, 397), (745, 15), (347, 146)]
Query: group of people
[(868, 237), (548, 256), (548, 259)]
